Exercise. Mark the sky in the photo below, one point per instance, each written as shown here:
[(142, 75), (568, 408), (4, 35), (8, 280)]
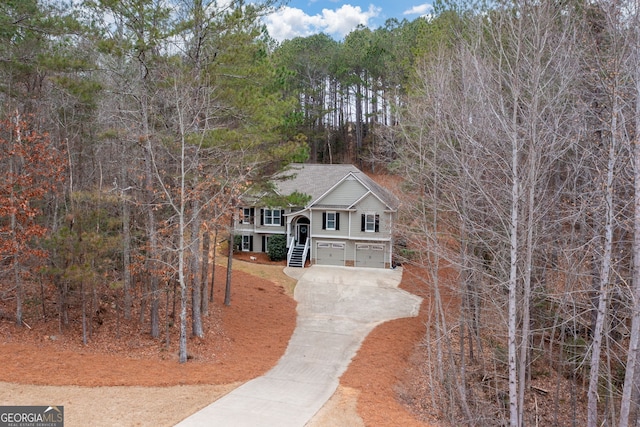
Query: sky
[(301, 18)]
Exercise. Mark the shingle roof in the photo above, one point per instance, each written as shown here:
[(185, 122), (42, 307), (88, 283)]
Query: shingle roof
[(316, 179)]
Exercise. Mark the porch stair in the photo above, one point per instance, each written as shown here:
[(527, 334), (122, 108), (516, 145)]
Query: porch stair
[(297, 257)]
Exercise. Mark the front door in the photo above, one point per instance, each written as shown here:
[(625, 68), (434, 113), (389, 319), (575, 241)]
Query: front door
[(303, 233)]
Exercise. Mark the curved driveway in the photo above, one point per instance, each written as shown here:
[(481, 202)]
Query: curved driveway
[(337, 308)]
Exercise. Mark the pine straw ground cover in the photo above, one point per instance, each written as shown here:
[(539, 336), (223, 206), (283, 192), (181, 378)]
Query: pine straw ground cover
[(125, 378)]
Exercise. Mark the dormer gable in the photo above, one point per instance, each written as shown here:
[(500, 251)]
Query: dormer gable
[(344, 194), (351, 189)]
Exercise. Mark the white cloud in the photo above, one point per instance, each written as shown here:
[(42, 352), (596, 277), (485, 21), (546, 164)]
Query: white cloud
[(289, 22), (345, 19), (422, 9)]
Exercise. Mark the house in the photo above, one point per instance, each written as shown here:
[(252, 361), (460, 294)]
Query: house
[(348, 220)]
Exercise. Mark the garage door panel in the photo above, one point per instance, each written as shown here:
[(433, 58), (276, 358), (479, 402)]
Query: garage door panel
[(330, 253), (370, 255)]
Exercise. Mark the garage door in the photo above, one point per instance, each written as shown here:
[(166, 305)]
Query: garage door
[(330, 253), (369, 255)]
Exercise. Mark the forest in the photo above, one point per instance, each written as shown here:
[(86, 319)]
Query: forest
[(130, 127)]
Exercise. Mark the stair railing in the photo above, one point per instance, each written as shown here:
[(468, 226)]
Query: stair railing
[(306, 250), (292, 244)]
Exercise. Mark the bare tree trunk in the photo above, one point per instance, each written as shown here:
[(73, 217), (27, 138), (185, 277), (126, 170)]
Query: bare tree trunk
[(525, 341), (196, 275), (144, 295), (19, 287), (461, 376), (42, 297), (359, 121), (126, 243), (514, 409), (605, 271), (64, 304), (183, 297), (213, 264), (94, 310), (152, 235), (17, 277), (633, 361), (227, 292), (84, 313), (167, 336), (180, 210), (206, 239), (174, 299)]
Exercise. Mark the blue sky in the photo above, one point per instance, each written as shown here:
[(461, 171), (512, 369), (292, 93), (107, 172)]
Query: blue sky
[(338, 18)]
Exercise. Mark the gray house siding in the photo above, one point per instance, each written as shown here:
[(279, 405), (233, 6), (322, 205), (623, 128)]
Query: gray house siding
[(257, 229), (370, 205), (318, 221), (344, 194)]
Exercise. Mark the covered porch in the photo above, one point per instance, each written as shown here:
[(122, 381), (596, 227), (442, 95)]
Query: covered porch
[(298, 238)]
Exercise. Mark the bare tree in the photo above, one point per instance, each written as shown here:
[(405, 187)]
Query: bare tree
[(494, 125), (630, 386), (611, 49), (524, 72)]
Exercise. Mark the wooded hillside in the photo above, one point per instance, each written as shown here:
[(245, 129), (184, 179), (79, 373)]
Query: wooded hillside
[(130, 127)]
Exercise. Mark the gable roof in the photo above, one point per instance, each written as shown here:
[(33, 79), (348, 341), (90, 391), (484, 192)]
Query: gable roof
[(316, 180), (379, 191)]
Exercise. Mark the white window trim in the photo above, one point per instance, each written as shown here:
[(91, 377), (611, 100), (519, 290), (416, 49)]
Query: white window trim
[(246, 243), (326, 225), (246, 216), (272, 217), (371, 215)]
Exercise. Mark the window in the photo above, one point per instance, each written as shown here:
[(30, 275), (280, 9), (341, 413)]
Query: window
[(370, 223), (330, 221), (369, 247), (271, 217), (247, 243), (327, 245), (247, 215)]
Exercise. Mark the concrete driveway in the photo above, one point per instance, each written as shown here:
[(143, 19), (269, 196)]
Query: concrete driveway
[(337, 308)]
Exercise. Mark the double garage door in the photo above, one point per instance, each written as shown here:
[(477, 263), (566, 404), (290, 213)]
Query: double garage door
[(367, 254)]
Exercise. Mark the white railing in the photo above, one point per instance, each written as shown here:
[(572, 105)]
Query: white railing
[(292, 244), (306, 250)]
